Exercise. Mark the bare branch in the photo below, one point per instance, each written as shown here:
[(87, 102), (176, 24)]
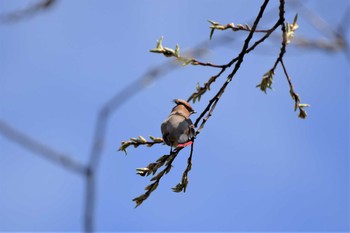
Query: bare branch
[(184, 181), (212, 103), (167, 160), (295, 96)]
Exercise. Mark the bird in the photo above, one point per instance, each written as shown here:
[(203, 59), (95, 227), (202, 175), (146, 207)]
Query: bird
[(178, 129)]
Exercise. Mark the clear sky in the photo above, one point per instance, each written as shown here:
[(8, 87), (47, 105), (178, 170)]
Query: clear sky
[(256, 165)]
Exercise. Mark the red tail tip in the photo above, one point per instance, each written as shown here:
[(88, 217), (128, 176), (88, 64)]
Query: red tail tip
[(185, 144)]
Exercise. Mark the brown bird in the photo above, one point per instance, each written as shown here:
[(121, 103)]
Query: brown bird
[(178, 129)]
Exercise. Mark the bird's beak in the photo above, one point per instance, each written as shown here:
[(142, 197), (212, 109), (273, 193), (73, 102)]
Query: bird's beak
[(193, 112)]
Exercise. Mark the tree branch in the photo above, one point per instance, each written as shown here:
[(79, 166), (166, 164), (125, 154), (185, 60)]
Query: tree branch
[(212, 103)]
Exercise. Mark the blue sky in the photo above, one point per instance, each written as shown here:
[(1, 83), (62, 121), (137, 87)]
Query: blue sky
[(256, 165)]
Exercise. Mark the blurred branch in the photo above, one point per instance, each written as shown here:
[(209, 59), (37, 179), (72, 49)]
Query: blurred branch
[(315, 19), (336, 35), (28, 11), (335, 45), (46, 152)]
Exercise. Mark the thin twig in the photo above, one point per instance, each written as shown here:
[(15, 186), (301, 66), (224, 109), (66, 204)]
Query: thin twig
[(201, 90), (184, 181), (294, 95), (196, 62), (287, 76)]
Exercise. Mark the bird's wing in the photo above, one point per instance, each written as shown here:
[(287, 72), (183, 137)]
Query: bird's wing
[(165, 132), (190, 128)]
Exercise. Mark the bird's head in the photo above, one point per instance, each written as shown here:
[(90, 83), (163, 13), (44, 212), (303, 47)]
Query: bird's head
[(183, 107)]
